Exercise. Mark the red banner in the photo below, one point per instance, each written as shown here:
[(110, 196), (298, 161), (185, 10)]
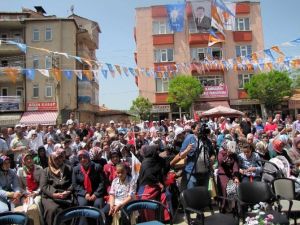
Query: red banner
[(41, 106), (215, 92)]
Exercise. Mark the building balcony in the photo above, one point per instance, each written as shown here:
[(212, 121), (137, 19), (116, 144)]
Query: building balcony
[(10, 49), (11, 103), (198, 38), (242, 36), (163, 39), (159, 11), (243, 8), (161, 98)]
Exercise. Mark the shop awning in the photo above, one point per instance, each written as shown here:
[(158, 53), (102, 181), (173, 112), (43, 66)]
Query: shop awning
[(44, 118), (9, 119)]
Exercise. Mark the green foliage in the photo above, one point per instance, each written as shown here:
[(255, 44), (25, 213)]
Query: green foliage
[(269, 88), (184, 90), (142, 107), (296, 79)]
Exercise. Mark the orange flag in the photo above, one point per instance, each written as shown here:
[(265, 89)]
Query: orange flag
[(280, 59), (235, 67), (254, 57), (277, 50), (12, 73), (295, 63), (249, 66), (57, 74), (88, 74), (213, 40)]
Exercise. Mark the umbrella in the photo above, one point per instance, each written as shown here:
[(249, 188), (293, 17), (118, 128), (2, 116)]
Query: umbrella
[(222, 111)]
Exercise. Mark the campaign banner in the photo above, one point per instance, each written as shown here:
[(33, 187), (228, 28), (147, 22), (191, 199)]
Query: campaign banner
[(41, 106), (215, 92), (202, 15), (176, 17)]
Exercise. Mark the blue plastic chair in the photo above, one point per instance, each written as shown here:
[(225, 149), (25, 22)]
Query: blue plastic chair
[(7, 218), (75, 213), (140, 205)]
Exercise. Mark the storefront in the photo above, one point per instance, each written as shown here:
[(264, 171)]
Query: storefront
[(160, 112), (250, 106)]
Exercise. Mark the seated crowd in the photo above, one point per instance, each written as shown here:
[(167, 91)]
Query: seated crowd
[(46, 169)]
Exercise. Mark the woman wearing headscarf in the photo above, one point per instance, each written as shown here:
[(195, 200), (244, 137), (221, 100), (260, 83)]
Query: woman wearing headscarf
[(228, 169), (56, 185), (29, 177), (41, 159), (10, 190), (88, 182)]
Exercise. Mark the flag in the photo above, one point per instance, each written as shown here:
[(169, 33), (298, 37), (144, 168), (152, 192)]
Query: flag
[(57, 74), (78, 73), (227, 18), (29, 73), (111, 70), (118, 68), (131, 70), (21, 46), (12, 73), (176, 16), (277, 50), (216, 20), (68, 74), (213, 40), (137, 72), (297, 41), (88, 74), (104, 72), (87, 62), (44, 72), (125, 69), (77, 58), (135, 167), (269, 53)]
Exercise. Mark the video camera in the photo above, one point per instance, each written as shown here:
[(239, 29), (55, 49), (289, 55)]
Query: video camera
[(204, 131)]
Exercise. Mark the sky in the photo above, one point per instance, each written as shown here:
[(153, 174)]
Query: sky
[(117, 19)]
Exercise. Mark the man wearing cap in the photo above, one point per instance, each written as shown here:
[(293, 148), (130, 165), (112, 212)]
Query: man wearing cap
[(98, 134), (154, 127), (111, 131), (19, 145), (172, 127), (178, 123)]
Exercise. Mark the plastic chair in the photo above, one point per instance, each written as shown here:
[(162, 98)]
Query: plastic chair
[(78, 212), (284, 189), (143, 206), (7, 218), (252, 193), (195, 200)]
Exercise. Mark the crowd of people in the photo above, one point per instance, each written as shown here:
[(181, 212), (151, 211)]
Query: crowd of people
[(46, 169)]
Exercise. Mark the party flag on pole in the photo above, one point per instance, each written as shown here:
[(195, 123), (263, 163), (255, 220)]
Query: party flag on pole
[(135, 167)]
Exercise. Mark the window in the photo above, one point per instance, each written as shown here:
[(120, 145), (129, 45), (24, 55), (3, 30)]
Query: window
[(242, 24), (216, 53), (48, 91), (243, 50), (19, 91), (162, 84), (36, 35), (48, 62), (4, 91), (161, 27), (4, 63), (35, 91), (17, 37), (243, 79), (48, 34), (211, 80), (164, 55), (36, 62)]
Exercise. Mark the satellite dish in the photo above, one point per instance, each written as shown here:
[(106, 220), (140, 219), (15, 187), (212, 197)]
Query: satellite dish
[(72, 9)]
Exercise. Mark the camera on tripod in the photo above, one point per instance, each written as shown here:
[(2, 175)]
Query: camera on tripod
[(204, 131)]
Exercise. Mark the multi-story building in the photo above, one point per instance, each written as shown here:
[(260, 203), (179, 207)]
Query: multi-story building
[(158, 47), (46, 99)]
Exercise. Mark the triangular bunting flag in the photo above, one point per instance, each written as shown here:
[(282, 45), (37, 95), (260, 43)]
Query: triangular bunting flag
[(77, 58), (88, 74), (44, 72), (78, 73), (68, 74), (87, 62), (29, 73), (12, 73), (131, 70), (118, 68), (125, 69), (21, 46), (57, 74), (212, 40), (269, 53), (111, 70), (104, 72), (277, 50)]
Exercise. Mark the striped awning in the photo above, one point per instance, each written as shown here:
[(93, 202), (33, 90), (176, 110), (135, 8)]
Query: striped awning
[(41, 117)]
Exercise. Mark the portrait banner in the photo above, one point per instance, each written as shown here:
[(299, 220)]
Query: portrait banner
[(176, 17), (202, 15)]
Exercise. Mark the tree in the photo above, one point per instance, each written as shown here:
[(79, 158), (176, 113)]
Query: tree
[(269, 88), (142, 107), (184, 90), (295, 76)]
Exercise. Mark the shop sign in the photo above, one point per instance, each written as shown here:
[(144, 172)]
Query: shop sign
[(215, 92), (161, 109), (244, 102), (10, 103), (41, 106)]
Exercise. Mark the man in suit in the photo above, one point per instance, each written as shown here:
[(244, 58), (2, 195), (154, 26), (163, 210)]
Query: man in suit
[(203, 23)]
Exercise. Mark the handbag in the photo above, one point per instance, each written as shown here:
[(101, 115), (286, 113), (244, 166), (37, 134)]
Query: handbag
[(231, 189)]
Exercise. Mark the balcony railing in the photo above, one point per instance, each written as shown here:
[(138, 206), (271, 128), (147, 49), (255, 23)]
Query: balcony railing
[(11, 103), (15, 39)]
